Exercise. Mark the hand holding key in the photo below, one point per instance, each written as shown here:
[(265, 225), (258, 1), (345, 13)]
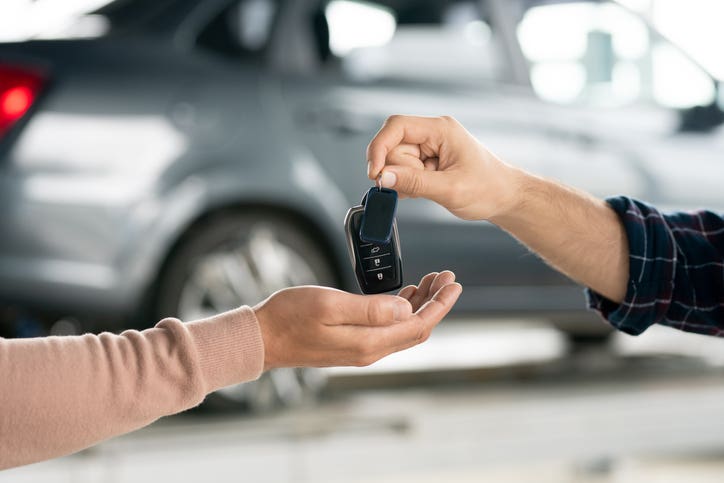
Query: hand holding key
[(437, 158)]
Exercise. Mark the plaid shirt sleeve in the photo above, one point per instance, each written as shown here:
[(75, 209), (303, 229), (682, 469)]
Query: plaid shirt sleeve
[(676, 271)]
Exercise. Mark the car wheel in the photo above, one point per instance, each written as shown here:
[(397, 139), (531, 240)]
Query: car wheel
[(240, 259), (583, 329)]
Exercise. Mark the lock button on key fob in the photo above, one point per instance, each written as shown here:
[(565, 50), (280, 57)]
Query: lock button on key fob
[(377, 264)]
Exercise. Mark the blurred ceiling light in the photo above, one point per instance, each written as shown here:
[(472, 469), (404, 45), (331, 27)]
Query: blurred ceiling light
[(695, 26), (554, 32), (256, 19), (27, 19), (477, 33), (678, 82), (560, 32), (354, 25), (560, 82)]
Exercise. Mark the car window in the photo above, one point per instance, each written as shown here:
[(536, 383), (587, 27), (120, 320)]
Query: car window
[(602, 54), (242, 29), (448, 42)]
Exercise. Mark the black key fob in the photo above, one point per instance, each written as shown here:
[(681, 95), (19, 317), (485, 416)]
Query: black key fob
[(377, 263), (379, 215)]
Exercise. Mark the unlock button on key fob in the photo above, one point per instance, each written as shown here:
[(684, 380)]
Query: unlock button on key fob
[(378, 262)]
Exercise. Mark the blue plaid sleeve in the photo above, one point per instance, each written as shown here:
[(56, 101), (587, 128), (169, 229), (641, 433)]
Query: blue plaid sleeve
[(676, 271)]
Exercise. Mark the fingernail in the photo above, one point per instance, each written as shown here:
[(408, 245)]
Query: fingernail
[(369, 168), (388, 179)]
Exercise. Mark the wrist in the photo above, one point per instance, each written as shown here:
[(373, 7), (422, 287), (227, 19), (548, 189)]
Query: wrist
[(514, 186), (267, 338)]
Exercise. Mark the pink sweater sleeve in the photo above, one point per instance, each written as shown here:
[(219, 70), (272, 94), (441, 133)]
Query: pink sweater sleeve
[(59, 395)]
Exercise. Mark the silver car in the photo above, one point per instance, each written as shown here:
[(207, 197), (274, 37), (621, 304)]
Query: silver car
[(193, 156)]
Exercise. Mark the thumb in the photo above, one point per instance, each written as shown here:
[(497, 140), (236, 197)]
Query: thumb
[(414, 182), (368, 310)]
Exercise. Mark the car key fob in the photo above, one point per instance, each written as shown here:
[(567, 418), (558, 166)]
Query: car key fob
[(379, 215), (377, 263)]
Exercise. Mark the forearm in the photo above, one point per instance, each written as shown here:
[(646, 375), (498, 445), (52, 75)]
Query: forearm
[(577, 234), (62, 394)]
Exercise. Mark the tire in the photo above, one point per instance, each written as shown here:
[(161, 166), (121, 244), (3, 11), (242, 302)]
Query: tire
[(240, 259), (583, 329)]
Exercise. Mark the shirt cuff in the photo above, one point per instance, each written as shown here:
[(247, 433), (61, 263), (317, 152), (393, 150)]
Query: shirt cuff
[(652, 261), (620, 315), (230, 347)]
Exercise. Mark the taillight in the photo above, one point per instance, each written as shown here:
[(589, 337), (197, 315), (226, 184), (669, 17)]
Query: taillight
[(19, 89)]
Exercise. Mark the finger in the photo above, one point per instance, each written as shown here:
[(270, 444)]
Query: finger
[(401, 129), (439, 305), (407, 292), (431, 164), (423, 289), (416, 182), (365, 310), (418, 329), (443, 278), (405, 155)]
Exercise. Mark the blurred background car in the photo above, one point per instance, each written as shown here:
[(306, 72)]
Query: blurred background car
[(180, 157)]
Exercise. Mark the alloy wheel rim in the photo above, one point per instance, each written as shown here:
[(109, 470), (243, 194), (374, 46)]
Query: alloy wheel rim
[(244, 272)]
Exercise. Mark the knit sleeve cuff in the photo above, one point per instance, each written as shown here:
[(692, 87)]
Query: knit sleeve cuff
[(230, 347)]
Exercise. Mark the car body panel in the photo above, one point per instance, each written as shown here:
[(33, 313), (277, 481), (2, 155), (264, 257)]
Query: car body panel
[(140, 135)]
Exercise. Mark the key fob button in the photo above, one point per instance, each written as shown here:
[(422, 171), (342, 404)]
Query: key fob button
[(378, 262), (370, 250), (384, 275)]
